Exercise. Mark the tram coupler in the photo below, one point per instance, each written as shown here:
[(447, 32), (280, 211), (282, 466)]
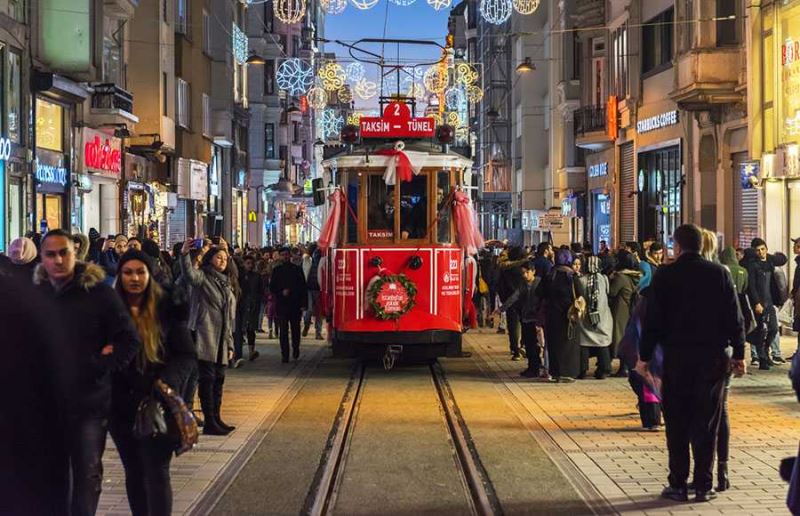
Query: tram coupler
[(391, 355)]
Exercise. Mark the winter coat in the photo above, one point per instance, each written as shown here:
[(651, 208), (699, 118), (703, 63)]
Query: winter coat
[(84, 252), (621, 292), (488, 270), (795, 294), (596, 335), (738, 273), (212, 311), (288, 276), (556, 292), (510, 277), (542, 266), (647, 269), (136, 382), (91, 316), (761, 281), (249, 304), (108, 261), (525, 301)]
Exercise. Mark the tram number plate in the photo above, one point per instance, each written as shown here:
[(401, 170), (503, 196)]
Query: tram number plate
[(380, 233)]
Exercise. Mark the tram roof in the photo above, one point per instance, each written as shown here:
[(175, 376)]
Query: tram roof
[(421, 154)]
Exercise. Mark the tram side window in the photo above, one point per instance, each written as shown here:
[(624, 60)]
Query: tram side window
[(380, 206), (352, 200), (414, 208), (442, 195)]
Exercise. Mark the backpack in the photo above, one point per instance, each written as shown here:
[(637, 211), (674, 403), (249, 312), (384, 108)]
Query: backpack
[(780, 287)]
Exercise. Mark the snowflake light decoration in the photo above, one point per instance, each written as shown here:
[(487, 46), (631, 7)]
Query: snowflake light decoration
[(317, 97), (331, 123), (412, 88), (454, 98), (526, 6), (332, 76), (403, 3), (496, 11), (290, 11), (474, 93), (333, 6), (344, 95), (366, 89), (436, 79), (438, 5), (466, 74), (354, 118), (294, 76), (355, 71), (364, 4)]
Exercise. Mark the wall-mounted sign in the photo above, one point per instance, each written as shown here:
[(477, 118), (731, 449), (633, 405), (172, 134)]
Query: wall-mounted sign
[(598, 170), (5, 149), (748, 174), (657, 122), (397, 122), (52, 175), (790, 51), (102, 154), (790, 77), (251, 216), (612, 117), (192, 179)]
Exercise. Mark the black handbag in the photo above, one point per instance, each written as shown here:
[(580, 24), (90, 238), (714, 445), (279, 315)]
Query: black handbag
[(150, 421)]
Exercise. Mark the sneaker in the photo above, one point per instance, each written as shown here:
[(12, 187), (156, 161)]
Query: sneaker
[(237, 363), (754, 362), (566, 379), (260, 331), (675, 493), (254, 355), (516, 357), (654, 428), (705, 496), (305, 330), (778, 360), (319, 336), (523, 352)]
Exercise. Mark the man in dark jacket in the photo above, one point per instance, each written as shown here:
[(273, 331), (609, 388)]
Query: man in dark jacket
[(693, 313), (288, 285), (510, 280), (761, 288), (100, 337), (247, 310), (545, 254)]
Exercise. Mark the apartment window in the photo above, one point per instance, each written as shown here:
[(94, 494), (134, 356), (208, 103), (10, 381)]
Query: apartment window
[(16, 10), (182, 11), (206, 33), (282, 42), (269, 141), (206, 115), (768, 90), (688, 27), (657, 42), (112, 51), (620, 51), (184, 104), (577, 57), (283, 152), (165, 93), (13, 80), (295, 133), (269, 17), (164, 10), (269, 77), (728, 23)]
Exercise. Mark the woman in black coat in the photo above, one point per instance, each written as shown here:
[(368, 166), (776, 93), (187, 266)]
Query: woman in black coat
[(167, 354), (558, 290)]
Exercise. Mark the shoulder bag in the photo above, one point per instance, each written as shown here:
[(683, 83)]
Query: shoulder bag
[(164, 415)]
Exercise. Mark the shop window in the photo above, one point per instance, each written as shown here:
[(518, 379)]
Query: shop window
[(184, 104), (269, 78), (49, 209), (269, 141), (728, 23), (442, 210), (206, 115), (49, 125), (14, 96), (414, 208), (353, 188), (380, 208), (657, 35)]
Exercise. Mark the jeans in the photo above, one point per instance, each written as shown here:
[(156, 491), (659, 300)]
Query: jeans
[(238, 339), (284, 325), (313, 300), (86, 441), (775, 344), (766, 332), (603, 360), (262, 308), (190, 387), (513, 324), (530, 341), (724, 434), (146, 463)]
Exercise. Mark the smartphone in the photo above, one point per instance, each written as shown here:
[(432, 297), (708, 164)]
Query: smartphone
[(197, 244)]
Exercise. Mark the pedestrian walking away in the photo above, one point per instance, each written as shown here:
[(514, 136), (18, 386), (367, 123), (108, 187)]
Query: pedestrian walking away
[(288, 285)]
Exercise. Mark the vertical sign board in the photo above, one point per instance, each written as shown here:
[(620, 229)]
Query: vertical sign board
[(3, 206), (344, 286), (448, 285)]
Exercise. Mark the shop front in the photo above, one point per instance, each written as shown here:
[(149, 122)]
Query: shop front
[(52, 167), (100, 165), (573, 211), (599, 169), (239, 212), (13, 188), (188, 218)]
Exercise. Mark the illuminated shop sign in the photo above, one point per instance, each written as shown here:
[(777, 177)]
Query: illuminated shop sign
[(102, 154), (51, 173), (599, 170), (657, 122), (5, 149), (790, 51)]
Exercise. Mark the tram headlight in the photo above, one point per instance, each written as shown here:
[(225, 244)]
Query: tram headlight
[(415, 262)]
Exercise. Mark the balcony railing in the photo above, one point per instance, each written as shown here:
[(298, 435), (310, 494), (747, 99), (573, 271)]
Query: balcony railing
[(111, 96), (590, 119)]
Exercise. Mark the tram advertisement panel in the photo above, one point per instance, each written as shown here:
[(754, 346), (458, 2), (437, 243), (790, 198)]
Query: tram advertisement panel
[(345, 281), (448, 285)]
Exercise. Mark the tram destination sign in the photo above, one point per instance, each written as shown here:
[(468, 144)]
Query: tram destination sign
[(397, 122)]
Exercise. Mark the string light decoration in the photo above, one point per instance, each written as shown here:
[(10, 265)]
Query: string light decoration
[(317, 97), (466, 74), (344, 95), (331, 123), (332, 76), (364, 4), (355, 71), (526, 6), (435, 79), (402, 3), (290, 11), (438, 5), (366, 89), (354, 118), (295, 76), (453, 119), (333, 6), (413, 89), (454, 97), (437, 118), (496, 11), (474, 93)]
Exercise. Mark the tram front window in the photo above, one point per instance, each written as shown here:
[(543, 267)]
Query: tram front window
[(352, 200), (380, 206), (414, 208), (442, 195)]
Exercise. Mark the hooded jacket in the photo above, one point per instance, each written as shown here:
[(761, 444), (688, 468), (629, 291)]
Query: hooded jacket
[(92, 316), (84, 252), (738, 273)]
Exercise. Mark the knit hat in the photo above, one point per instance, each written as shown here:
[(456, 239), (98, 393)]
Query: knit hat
[(22, 251), (150, 247), (93, 234), (133, 254)]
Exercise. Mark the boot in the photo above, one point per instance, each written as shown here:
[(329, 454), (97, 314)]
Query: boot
[(210, 424), (218, 406), (723, 483), (306, 326)]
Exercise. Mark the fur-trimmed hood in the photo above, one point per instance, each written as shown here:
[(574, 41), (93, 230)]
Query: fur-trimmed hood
[(84, 252), (87, 275)]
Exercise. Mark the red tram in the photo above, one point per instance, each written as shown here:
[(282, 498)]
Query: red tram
[(394, 277)]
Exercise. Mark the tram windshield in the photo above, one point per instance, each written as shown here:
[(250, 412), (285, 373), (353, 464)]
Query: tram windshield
[(414, 208)]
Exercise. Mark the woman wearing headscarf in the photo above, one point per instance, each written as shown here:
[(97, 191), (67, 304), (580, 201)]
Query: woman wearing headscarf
[(214, 288), (622, 295), (559, 289), (594, 330)]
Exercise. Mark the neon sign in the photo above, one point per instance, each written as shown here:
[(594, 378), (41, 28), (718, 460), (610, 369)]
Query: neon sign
[(599, 170), (51, 174), (657, 122), (100, 155)]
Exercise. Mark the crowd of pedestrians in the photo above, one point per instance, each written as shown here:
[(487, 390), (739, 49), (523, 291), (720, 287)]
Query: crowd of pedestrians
[(119, 323)]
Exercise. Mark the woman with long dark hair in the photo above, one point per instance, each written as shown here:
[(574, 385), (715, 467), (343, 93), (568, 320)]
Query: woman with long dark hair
[(214, 289), (167, 355)]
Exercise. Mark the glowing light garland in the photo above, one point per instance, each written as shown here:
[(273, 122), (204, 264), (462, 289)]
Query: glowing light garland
[(317, 97), (526, 6), (354, 118), (436, 79), (332, 76), (294, 76), (466, 74), (333, 6), (355, 71), (239, 44), (412, 88), (474, 93), (438, 5), (454, 98), (290, 11), (331, 123), (496, 11), (366, 89), (344, 95), (364, 4), (402, 3), (453, 119)]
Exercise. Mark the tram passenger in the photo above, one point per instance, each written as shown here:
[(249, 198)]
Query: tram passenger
[(381, 213)]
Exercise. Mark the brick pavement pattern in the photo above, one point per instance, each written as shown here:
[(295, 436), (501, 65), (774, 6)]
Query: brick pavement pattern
[(595, 425)]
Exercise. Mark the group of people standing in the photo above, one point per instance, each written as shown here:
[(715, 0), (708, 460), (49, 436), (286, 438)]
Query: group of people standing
[(124, 318)]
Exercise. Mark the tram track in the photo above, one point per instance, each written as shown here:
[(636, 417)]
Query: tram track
[(330, 476)]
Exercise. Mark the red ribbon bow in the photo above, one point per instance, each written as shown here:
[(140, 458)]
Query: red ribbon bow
[(403, 167)]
